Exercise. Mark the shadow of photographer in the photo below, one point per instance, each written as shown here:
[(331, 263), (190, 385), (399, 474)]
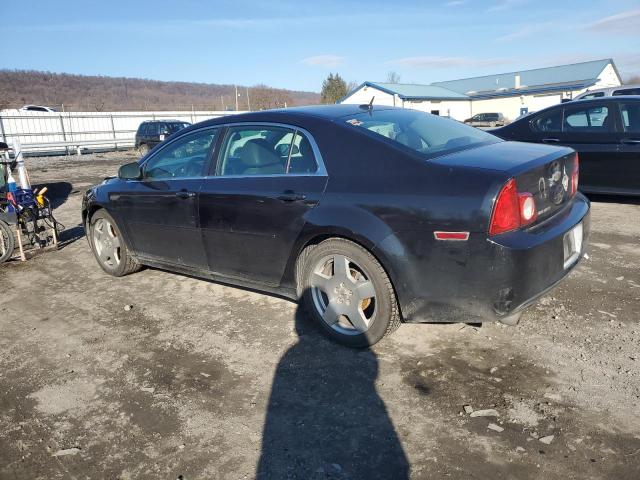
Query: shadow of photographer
[(325, 418)]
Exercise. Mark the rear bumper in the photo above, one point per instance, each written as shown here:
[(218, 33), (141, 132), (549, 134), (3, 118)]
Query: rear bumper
[(494, 279)]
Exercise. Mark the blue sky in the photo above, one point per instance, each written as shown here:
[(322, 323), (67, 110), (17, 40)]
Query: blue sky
[(295, 44)]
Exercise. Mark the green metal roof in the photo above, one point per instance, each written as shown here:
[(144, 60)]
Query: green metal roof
[(414, 91), (578, 74), (549, 79)]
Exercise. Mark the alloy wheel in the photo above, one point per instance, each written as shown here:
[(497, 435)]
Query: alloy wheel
[(343, 295), (107, 243)]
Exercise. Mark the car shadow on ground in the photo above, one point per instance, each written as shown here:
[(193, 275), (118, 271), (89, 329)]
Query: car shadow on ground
[(325, 418), (70, 235)]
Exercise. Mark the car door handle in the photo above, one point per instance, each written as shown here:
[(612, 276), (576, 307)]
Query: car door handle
[(630, 141), (551, 140), (185, 194), (291, 196)]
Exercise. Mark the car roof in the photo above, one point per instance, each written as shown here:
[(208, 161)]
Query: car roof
[(285, 115), (610, 98), (612, 89)]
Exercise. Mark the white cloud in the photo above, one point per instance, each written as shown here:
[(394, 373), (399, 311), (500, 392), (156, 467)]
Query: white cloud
[(449, 62), (625, 22), (455, 3), (526, 31), (502, 5), (327, 61)]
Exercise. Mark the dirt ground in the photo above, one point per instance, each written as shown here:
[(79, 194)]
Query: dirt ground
[(199, 380)]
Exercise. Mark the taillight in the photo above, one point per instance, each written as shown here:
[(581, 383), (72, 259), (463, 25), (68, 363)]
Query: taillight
[(574, 175), (527, 208), (512, 210)]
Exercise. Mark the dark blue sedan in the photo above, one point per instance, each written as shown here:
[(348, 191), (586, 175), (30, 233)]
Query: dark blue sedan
[(373, 216)]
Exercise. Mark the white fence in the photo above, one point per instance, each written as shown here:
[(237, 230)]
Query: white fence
[(45, 132)]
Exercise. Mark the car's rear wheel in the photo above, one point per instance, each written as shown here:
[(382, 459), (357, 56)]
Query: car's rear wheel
[(108, 246), (347, 292), (7, 242), (143, 149)]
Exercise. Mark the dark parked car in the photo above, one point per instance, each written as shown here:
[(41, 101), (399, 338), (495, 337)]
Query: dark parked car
[(153, 132), (373, 216), (604, 131), (486, 120)]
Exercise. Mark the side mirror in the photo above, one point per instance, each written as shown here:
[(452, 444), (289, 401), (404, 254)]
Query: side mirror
[(4, 146), (294, 150), (130, 171)]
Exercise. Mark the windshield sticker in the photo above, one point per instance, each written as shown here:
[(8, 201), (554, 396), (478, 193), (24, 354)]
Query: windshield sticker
[(354, 122)]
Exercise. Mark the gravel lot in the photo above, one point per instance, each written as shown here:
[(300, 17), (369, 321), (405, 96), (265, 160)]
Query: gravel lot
[(201, 380)]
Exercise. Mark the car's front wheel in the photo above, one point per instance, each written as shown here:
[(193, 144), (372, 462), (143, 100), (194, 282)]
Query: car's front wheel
[(143, 149), (347, 292), (109, 247)]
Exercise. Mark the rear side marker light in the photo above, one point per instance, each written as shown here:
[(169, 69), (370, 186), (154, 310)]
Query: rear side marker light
[(460, 236)]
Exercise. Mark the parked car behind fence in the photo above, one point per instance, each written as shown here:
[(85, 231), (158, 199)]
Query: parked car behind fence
[(153, 132)]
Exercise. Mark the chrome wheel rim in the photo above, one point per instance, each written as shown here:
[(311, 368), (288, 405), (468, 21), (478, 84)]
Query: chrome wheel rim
[(107, 243), (343, 295), (4, 242)]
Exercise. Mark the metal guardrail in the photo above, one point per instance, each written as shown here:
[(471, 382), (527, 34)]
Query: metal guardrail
[(45, 133)]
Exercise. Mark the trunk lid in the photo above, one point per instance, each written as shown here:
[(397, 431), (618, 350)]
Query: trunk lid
[(542, 170)]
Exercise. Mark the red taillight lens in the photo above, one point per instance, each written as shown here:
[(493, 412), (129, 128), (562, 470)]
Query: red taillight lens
[(512, 210), (574, 175), (506, 212)]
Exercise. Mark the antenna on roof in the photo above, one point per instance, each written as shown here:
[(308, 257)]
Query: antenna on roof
[(368, 106)]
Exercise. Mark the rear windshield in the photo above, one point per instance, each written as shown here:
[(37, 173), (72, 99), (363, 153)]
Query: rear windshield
[(174, 127), (427, 134)]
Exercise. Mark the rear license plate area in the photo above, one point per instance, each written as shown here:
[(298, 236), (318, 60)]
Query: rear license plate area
[(572, 244)]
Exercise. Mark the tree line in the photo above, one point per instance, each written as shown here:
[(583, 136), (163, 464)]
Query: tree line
[(100, 93)]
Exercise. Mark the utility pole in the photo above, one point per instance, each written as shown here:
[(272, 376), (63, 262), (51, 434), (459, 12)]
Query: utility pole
[(236, 98), (222, 101), (248, 103)]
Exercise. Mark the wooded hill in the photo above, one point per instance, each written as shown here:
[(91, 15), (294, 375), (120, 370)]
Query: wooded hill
[(98, 93)]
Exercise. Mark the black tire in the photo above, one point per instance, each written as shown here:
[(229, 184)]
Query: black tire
[(143, 149), (8, 241), (386, 316), (123, 263)]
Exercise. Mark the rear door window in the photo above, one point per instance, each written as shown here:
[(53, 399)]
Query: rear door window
[(627, 91), (630, 117), (255, 151), (591, 118)]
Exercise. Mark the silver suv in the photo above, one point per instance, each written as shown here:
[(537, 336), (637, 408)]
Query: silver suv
[(610, 92)]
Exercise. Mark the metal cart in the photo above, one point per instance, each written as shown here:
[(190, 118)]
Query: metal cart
[(26, 217)]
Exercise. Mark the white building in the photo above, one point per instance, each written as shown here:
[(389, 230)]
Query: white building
[(511, 94)]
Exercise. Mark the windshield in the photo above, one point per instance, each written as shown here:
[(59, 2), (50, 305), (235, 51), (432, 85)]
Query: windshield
[(427, 134), (174, 127)]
